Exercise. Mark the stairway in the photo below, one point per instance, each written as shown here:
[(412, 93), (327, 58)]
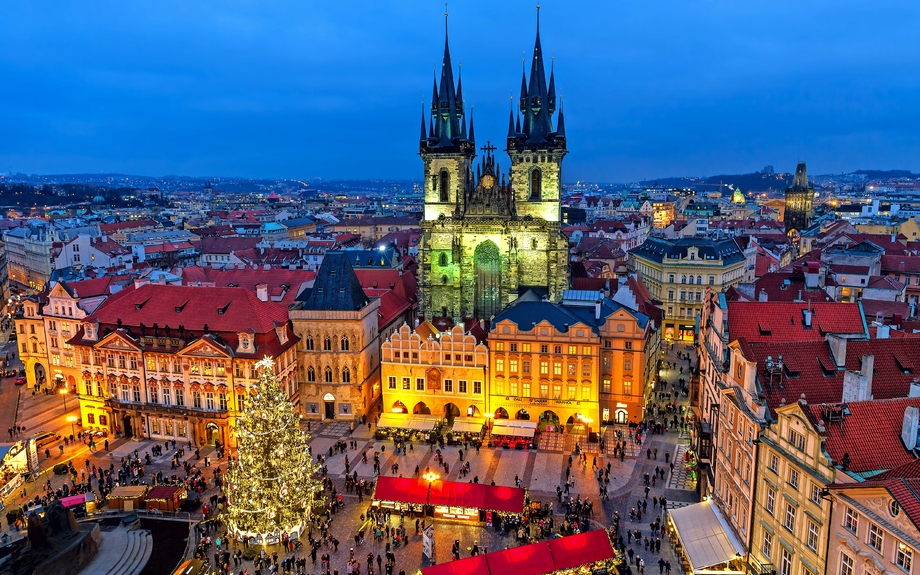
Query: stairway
[(121, 552)]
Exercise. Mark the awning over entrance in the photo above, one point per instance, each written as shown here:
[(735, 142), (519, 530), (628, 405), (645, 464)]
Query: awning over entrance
[(401, 489), (468, 424), (450, 494), (581, 549), (705, 536)]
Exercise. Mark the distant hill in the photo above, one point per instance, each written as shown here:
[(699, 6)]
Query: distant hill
[(886, 174), (756, 182)]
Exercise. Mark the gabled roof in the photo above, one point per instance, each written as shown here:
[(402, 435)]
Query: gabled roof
[(783, 321), (336, 286), (869, 432), (900, 264)]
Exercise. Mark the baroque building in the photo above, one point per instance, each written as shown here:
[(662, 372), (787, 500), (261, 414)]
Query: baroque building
[(800, 199), (486, 237)]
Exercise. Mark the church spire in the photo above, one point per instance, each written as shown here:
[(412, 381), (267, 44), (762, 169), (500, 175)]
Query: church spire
[(472, 137), (424, 136), (560, 124), (447, 105), (551, 95), (511, 131)]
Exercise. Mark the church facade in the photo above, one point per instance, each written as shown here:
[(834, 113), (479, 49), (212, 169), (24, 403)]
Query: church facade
[(488, 236)]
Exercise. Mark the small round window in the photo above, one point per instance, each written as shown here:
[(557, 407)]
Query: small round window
[(894, 508)]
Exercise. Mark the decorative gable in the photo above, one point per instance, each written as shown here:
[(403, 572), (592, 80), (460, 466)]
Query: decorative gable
[(246, 342), (91, 331), (118, 340), (203, 347)]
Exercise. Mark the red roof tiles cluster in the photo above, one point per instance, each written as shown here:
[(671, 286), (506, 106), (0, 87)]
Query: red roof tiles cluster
[(784, 321)]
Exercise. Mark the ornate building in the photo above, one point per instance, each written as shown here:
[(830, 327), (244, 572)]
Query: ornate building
[(486, 238), (339, 351), (799, 201)]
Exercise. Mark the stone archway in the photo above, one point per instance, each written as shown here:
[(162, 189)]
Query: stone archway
[(522, 414), (501, 413), (421, 409), (548, 420), (399, 407), (40, 372), (473, 411), (451, 411)]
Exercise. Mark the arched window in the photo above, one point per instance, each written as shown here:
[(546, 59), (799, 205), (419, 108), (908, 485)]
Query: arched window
[(443, 259), (683, 279), (346, 375), (311, 374), (536, 184), (309, 343), (344, 343), (445, 183), (328, 374), (699, 280), (443, 280), (327, 344)]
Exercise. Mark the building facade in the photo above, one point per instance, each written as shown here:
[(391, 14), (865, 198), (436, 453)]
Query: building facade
[(484, 237), (678, 273), (791, 517), (442, 374), (339, 350), (170, 362), (582, 360), (800, 198)]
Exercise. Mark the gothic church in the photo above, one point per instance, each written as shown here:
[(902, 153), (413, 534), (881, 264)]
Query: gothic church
[(488, 237)]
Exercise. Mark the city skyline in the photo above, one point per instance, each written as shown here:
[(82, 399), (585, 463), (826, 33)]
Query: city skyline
[(297, 92)]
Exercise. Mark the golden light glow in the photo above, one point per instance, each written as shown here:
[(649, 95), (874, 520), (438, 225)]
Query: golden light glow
[(431, 477), (72, 418)]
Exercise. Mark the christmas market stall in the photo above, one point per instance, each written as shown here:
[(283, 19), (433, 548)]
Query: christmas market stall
[(703, 541), (127, 498), (448, 499), (466, 429), (588, 553), (16, 460), (165, 497), (80, 504), (403, 426), (401, 493), (512, 434)]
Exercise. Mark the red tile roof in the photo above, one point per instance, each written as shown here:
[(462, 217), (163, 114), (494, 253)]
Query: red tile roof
[(392, 306), (93, 287), (226, 245), (870, 433), (810, 369), (275, 278), (788, 286), (900, 264), (128, 225), (784, 321)]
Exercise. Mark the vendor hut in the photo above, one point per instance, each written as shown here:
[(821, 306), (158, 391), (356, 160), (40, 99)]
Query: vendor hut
[(512, 434), (448, 499), (127, 498), (165, 497), (404, 426)]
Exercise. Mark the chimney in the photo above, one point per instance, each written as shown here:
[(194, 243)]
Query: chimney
[(806, 318), (141, 282), (868, 370), (910, 427), (262, 291), (883, 332), (762, 296), (838, 345), (597, 309), (914, 388)]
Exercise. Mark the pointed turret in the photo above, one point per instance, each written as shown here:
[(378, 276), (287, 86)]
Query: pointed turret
[(472, 137), (463, 127), (447, 103), (560, 124), (511, 131), (424, 136), (537, 100), (517, 125), (800, 179), (551, 95)]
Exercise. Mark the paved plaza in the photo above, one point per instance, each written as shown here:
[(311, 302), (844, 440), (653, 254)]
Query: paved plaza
[(540, 471)]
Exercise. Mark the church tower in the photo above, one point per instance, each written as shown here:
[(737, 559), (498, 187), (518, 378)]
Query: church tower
[(445, 147), (800, 200), (487, 238), (535, 147)]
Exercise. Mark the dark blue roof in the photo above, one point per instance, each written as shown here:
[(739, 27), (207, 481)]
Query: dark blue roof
[(656, 249), (527, 313), (336, 286)]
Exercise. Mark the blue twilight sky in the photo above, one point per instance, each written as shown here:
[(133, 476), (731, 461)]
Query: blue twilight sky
[(333, 89)]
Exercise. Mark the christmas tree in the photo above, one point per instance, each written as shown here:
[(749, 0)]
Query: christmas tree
[(272, 483)]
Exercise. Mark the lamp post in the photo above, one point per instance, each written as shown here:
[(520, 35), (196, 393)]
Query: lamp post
[(72, 419), (63, 392)]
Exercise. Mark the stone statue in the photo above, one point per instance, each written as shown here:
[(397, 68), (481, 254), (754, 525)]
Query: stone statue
[(36, 532), (58, 521)]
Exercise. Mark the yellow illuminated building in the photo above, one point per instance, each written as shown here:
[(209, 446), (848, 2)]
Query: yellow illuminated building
[(425, 372), (678, 272)]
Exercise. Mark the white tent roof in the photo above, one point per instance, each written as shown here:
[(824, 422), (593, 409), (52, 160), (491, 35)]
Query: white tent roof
[(706, 538)]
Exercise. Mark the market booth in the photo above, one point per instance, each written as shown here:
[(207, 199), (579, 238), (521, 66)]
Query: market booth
[(399, 426), (466, 429), (401, 493), (703, 540), (80, 504), (448, 499), (585, 553), (513, 434), (127, 498), (165, 497)]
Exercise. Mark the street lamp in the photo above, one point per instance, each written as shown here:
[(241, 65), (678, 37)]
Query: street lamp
[(63, 392), (72, 419)]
